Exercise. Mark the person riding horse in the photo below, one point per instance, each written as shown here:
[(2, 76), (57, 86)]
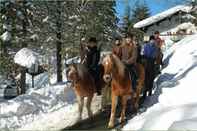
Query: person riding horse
[(117, 47), (129, 57), (91, 60)]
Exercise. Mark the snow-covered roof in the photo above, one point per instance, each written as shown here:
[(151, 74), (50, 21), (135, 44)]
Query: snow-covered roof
[(26, 58), (162, 15)]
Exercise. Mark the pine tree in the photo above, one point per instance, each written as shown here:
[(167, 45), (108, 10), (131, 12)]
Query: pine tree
[(58, 26), (127, 22), (140, 12), (17, 23)]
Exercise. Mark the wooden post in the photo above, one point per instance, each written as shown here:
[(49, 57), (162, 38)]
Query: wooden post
[(32, 81)]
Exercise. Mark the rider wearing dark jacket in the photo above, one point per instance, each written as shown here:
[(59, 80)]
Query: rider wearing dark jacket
[(150, 53), (92, 54), (92, 58)]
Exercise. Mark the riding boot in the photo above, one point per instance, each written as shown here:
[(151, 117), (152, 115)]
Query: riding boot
[(134, 78)]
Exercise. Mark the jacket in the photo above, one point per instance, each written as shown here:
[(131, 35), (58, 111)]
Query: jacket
[(150, 50), (92, 57), (129, 53)]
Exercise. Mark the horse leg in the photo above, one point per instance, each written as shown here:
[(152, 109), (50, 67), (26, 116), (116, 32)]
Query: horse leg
[(113, 111), (88, 106), (124, 104), (105, 97), (80, 107), (138, 91)]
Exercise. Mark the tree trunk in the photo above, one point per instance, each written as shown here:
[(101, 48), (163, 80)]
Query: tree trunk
[(24, 44), (59, 44), (58, 55), (22, 81)]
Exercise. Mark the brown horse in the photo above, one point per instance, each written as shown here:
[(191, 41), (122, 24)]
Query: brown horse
[(84, 86), (116, 72)]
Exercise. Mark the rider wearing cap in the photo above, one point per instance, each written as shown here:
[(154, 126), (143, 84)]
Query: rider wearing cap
[(117, 47), (129, 56), (91, 59)]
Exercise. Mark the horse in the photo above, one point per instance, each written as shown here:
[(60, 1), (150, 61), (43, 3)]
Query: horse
[(84, 86), (116, 72)]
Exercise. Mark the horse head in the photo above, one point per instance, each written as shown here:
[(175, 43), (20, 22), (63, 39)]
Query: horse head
[(72, 73), (107, 63)]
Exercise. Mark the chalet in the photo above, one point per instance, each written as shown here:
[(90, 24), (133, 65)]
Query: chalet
[(176, 20)]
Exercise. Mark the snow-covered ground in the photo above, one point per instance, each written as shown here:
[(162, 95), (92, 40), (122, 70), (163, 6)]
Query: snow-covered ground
[(174, 103), (172, 106), (45, 107), (52, 107)]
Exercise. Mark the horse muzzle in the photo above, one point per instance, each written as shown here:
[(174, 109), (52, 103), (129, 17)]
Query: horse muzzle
[(107, 78)]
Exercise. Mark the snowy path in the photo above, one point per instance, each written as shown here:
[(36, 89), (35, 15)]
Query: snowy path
[(101, 119), (64, 117)]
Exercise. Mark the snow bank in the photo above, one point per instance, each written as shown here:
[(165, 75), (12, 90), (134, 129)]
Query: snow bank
[(26, 108), (26, 58), (49, 108), (174, 103), (45, 107)]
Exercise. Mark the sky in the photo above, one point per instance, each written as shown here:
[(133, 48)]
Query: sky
[(155, 6)]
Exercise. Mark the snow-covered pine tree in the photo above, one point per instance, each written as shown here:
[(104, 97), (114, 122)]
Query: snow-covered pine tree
[(141, 11), (17, 25), (82, 18), (98, 19)]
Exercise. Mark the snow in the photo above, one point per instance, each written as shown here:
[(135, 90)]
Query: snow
[(188, 16), (34, 37), (26, 58), (6, 36), (173, 106), (40, 81), (7, 27), (160, 16), (53, 107), (188, 26), (169, 40), (45, 19)]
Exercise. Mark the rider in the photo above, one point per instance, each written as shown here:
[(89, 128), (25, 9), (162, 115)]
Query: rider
[(117, 47), (92, 58), (129, 57)]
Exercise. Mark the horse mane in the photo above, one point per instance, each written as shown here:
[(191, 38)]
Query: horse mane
[(81, 70), (118, 65)]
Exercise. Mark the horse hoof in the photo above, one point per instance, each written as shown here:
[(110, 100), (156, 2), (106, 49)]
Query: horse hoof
[(110, 125), (122, 120)]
